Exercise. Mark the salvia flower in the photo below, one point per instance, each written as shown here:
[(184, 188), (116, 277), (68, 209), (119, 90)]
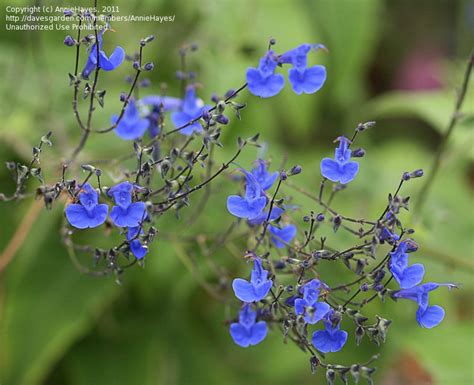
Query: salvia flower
[(126, 213), (258, 287), (309, 306), (106, 63), (88, 213), (262, 217), (191, 108), (253, 202), (426, 316), (341, 168), (132, 126), (247, 331), (331, 339), (138, 250), (303, 79), (262, 176), (406, 276), (262, 81), (283, 235)]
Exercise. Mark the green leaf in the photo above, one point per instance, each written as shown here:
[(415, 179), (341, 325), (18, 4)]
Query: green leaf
[(48, 304)]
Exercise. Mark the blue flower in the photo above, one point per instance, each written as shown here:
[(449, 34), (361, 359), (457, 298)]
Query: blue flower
[(304, 79), (426, 316), (406, 276), (262, 81), (387, 236), (252, 204), (106, 63), (331, 339), (191, 108), (131, 126), (262, 217), (262, 176), (313, 310), (126, 213), (138, 250), (307, 80), (341, 168), (258, 287), (87, 213), (248, 332), (285, 234)]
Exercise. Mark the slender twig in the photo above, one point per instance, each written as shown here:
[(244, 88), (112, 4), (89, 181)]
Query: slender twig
[(456, 115)]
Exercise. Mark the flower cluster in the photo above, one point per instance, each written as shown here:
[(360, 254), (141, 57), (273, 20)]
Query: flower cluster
[(285, 288), (271, 297), (252, 205), (89, 213)]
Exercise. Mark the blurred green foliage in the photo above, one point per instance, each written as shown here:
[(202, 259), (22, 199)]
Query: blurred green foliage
[(161, 326)]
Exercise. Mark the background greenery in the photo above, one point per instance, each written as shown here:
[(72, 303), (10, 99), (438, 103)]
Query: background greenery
[(397, 62)]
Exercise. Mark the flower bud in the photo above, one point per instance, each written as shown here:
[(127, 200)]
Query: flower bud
[(417, 173), (222, 119), (358, 153), (149, 66), (330, 376), (295, 170), (69, 41)]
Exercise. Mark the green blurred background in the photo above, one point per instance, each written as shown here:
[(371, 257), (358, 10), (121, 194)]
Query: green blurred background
[(396, 62)]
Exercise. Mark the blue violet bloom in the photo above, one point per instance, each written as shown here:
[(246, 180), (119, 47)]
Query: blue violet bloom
[(191, 108), (252, 204), (131, 126), (262, 81), (138, 250), (247, 331), (88, 213), (262, 217), (341, 168), (309, 306), (282, 236), (258, 287), (426, 316), (406, 276), (106, 63), (303, 79), (331, 339), (126, 213), (262, 176)]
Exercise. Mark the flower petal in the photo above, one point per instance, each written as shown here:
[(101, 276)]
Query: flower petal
[(242, 208), (431, 317), (243, 290), (239, 334), (258, 332), (411, 276), (264, 87), (113, 61)]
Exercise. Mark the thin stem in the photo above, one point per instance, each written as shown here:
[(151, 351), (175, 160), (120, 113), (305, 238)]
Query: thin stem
[(456, 115)]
